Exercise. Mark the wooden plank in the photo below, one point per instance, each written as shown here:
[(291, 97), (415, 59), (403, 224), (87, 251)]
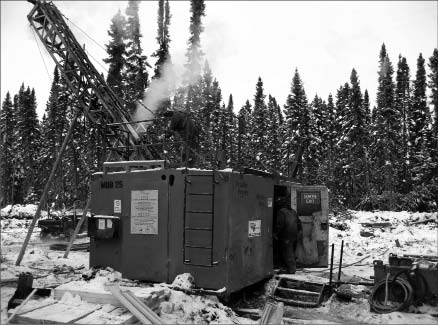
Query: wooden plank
[(46, 187), (34, 304), (17, 310), (115, 290), (57, 313), (117, 315), (78, 227), (144, 309), (152, 298)]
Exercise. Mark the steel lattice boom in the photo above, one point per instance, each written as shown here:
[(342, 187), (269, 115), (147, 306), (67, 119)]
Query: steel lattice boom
[(86, 82)]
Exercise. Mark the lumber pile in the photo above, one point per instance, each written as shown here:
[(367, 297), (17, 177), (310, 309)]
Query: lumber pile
[(83, 302), (142, 312), (272, 313), (58, 313), (151, 296)]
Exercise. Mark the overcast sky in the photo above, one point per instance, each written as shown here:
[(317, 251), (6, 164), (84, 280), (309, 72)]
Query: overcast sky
[(242, 41)]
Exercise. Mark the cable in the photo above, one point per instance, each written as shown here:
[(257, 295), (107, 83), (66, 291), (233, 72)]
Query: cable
[(138, 101), (375, 298), (97, 61), (84, 33), (41, 54)]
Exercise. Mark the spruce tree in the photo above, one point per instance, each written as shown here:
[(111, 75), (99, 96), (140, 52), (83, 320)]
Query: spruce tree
[(274, 134), (7, 139), (28, 143), (315, 157), (355, 132), (52, 131), (228, 132), (244, 144), (297, 123), (433, 86), (403, 106), (260, 126), (432, 178), (136, 74), (340, 156), (330, 139), (192, 78), (418, 128), (386, 140), (116, 50), (163, 38), (194, 52)]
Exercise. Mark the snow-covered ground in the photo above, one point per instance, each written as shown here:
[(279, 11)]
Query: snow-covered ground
[(359, 254), (417, 238)]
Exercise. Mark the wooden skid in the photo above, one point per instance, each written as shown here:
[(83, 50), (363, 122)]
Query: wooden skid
[(151, 300), (116, 316), (58, 313), (95, 308)]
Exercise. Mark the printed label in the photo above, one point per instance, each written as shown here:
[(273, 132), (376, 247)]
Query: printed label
[(269, 202), (117, 206), (101, 224), (254, 228), (109, 223), (144, 212)]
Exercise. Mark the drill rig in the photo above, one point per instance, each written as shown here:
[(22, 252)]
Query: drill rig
[(123, 138), (156, 222), (112, 119)]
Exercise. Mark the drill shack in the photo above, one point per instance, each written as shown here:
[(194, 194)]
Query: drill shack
[(152, 223)]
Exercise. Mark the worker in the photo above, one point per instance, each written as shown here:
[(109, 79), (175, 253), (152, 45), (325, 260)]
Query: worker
[(289, 231)]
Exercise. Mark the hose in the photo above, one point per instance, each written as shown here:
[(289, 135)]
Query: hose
[(379, 296)]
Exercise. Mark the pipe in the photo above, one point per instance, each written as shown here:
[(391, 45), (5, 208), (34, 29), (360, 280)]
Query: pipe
[(331, 267), (46, 187), (340, 260)]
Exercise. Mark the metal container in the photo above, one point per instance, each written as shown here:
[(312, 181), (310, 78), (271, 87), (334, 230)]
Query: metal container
[(216, 225)]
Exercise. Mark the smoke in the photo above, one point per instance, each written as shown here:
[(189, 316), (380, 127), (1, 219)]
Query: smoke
[(173, 76)]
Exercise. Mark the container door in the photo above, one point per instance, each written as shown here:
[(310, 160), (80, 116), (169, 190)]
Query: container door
[(311, 204), (145, 234), (199, 220)]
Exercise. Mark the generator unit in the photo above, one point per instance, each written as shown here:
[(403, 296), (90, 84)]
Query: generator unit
[(152, 223)]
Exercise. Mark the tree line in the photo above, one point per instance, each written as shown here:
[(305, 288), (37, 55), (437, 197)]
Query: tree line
[(380, 158)]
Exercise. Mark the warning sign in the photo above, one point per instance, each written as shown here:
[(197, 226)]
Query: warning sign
[(144, 212), (117, 206), (254, 228), (101, 224)]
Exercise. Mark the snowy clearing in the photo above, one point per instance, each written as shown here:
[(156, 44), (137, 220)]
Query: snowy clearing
[(397, 229)]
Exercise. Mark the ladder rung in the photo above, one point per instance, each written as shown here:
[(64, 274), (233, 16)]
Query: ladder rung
[(299, 292), (199, 212), (203, 247), (211, 194)]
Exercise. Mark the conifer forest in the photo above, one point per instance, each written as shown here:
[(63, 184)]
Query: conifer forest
[(382, 157)]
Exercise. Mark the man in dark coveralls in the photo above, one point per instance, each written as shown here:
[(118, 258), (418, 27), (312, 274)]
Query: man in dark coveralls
[(289, 231)]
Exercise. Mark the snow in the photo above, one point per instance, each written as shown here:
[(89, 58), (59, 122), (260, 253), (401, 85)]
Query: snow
[(38, 258), (191, 309), (359, 254), (20, 211), (414, 239), (183, 281)]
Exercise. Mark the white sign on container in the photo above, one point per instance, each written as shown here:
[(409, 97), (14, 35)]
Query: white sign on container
[(144, 212), (117, 206), (254, 228), (101, 224)]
